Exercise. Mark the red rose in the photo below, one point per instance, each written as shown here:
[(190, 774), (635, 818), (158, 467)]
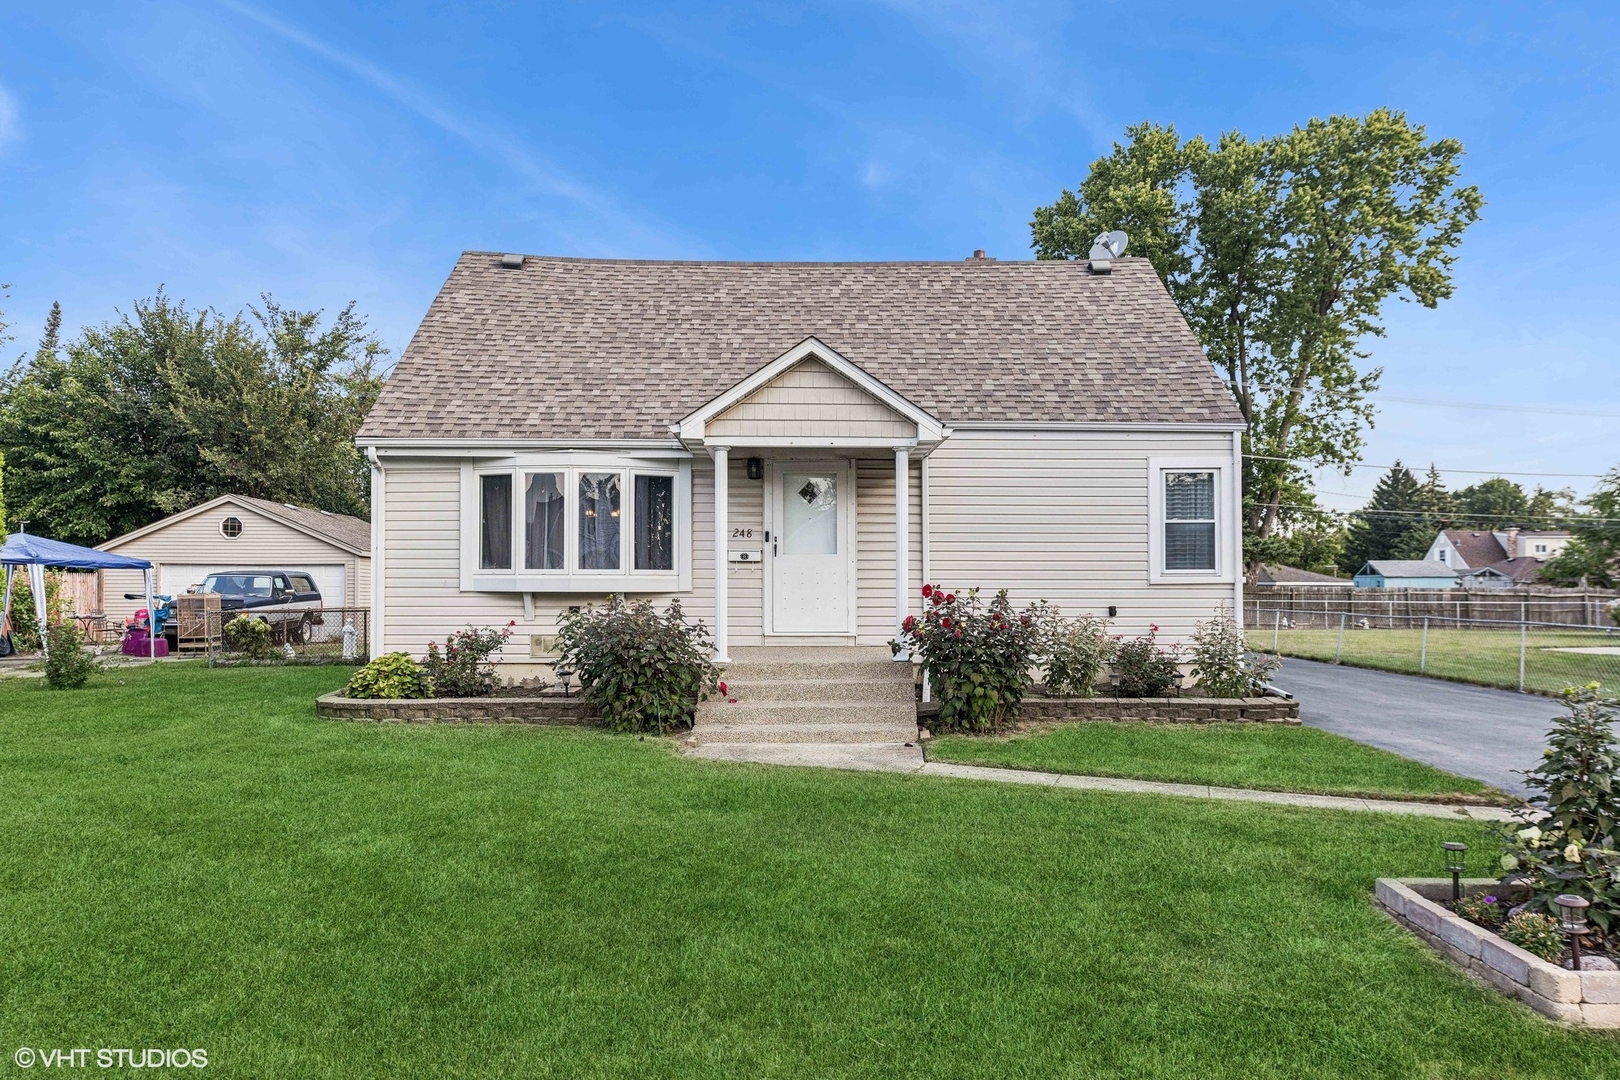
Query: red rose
[(512, 622), (959, 635), (939, 597), (1152, 628), (928, 590), (1024, 620), (950, 598), (946, 623), (722, 688)]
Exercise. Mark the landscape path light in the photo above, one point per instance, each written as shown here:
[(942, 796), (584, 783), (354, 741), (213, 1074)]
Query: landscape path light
[(564, 673), (1454, 866), (1572, 921)]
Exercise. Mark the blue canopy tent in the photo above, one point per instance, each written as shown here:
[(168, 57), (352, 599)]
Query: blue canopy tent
[(38, 552)]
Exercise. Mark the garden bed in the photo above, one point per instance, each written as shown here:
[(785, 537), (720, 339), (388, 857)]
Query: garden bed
[(1587, 998), (514, 706), (1039, 708)]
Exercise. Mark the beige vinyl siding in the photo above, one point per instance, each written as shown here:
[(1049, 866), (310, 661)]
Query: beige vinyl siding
[(424, 601), (874, 548), (1063, 518), (811, 400), (362, 583), (197, 541)]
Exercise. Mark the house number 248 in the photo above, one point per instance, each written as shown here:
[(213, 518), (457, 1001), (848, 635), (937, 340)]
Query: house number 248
[(744, 534)]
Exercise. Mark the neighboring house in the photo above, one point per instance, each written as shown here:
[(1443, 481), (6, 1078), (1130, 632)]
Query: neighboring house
[(1405, 574), (1291, 575), (792, 449), (234, 532), (1463, 549), (1503, 575)]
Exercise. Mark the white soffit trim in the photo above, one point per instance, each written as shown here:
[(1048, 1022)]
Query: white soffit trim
[(691, 428), (1033, 427)]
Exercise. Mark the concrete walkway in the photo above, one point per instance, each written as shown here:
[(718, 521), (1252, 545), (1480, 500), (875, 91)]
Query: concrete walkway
[(1468, 730), (895, 757)]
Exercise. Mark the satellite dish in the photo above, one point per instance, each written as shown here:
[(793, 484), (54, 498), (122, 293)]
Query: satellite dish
[(1108, 246)]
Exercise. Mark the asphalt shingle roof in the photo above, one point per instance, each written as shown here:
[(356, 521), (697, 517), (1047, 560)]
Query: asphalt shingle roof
[(348, 531), (1477, 548), (612, 349)]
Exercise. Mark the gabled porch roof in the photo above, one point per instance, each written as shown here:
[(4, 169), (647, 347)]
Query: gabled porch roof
[(810, 396)]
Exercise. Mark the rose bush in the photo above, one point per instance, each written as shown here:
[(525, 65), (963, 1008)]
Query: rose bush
[(464, 668), (1222, 663), (1147, 669), (1078, 651), (979, 658)]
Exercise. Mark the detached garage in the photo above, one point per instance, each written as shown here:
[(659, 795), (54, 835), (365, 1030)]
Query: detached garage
[(235, 532)]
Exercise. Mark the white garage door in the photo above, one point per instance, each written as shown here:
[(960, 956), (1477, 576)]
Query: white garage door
[(176, 579)]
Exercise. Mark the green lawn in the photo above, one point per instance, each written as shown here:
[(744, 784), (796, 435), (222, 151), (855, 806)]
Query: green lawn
[(1487, 657), (190, 858), (1265, 756)]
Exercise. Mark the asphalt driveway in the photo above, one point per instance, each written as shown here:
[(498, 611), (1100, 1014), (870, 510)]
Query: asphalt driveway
[(1470, 730)]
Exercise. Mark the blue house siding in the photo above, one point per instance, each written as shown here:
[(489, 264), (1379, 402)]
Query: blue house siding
[(1379, 581)]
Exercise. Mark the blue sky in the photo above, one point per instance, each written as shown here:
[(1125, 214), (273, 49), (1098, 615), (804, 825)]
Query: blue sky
[(333, 151)]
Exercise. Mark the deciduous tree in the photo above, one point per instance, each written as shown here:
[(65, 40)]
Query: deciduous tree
[(1282, 253), (167, 407)]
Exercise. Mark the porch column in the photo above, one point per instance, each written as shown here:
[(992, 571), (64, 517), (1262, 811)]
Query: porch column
[(722, 551), (902, 537)]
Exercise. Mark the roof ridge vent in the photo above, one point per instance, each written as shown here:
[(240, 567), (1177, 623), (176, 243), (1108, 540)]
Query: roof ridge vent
[(1105, 249), (511, 262)]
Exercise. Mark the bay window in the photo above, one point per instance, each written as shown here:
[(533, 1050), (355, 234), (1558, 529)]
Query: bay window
[(579, 522), (495, 526)]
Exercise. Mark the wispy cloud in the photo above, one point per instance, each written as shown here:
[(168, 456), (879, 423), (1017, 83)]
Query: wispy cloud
[(10, 118), (541, 174), (1016, 45)]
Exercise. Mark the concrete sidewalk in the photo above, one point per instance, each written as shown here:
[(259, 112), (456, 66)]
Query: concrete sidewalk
[(906, 758)]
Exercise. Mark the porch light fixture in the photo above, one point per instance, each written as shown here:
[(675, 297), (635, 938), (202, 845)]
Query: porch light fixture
[(1572, 921), (756, 468), (1454, 866)]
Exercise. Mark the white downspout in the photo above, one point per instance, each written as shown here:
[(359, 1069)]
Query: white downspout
[(722, 549), (378, 532), (1236, 501)]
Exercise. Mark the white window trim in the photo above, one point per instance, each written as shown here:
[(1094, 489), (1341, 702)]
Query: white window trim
[(570, 579), (1226, 542)]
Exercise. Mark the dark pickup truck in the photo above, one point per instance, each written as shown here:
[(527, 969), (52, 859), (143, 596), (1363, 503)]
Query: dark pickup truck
[(286, 599)]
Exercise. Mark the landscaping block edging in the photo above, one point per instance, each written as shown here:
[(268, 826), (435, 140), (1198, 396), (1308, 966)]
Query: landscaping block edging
[(533, 709), (1038, 708), (1586, 998)]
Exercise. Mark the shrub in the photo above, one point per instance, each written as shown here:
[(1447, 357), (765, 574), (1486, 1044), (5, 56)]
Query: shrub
[(68, 667), (1078, 651), (1145, 669), (464, 668), (1222, 663), (393, 675), (978, 657), (249, 636), (1482, 909), (1565, 841), (643, 671), (1536, 934), (24, 627)]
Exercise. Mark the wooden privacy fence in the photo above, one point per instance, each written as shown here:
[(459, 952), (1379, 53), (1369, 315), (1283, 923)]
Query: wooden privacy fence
[(1399, 607)]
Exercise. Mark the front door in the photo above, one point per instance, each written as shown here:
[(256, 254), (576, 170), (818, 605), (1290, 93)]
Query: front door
[(810, 557)]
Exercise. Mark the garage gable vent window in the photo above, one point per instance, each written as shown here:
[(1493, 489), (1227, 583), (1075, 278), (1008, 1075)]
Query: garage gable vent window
[(231, 528)]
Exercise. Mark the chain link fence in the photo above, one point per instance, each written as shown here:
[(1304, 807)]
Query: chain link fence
[(324, 636), (1518, 654)]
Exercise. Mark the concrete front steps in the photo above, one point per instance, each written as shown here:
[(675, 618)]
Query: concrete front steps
[(811, 694)]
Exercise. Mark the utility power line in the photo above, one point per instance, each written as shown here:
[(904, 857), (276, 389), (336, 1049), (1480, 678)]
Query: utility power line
[(1552, 410), (1543, 519), (1440, 468)]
